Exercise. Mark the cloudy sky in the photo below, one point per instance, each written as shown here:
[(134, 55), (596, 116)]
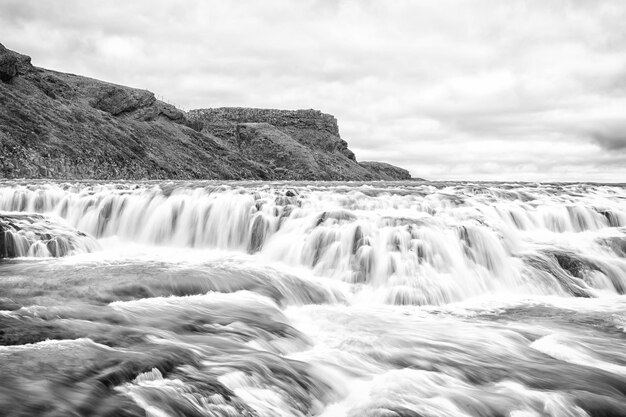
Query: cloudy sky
[(505, 90)]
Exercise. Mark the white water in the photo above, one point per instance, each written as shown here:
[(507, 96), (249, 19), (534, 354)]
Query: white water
[(372, 299), (408, 244)]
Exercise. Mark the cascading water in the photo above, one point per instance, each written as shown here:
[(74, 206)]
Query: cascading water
[(335, 299), (34, 235)]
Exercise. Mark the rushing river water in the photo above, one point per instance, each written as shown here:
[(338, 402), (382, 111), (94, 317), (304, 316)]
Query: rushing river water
[(303, 299)]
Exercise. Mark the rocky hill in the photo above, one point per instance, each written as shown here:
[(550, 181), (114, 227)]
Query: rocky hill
[(387, 171), (300, 144), (57, 125)]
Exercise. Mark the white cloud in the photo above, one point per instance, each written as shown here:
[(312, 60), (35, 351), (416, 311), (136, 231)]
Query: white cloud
[(488, 89)]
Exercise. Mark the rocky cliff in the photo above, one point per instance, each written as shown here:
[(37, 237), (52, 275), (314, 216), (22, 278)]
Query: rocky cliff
[(298, 144), (311, 128), (57, 125)]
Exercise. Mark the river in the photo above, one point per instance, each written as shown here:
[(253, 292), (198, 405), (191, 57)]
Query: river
[(399, 299)]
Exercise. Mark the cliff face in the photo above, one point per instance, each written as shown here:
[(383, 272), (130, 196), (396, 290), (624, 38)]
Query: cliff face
[(56, 125), (311, 128), (298, 144)]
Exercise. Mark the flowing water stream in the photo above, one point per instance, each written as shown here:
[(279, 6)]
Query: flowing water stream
[(305, 299)]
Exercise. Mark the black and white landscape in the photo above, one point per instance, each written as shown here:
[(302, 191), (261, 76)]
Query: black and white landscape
[(226, 251)]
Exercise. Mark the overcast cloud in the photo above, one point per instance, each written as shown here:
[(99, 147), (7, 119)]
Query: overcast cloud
[(504, 90)]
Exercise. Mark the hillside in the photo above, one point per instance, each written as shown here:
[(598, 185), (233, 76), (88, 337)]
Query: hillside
[(57, 125)]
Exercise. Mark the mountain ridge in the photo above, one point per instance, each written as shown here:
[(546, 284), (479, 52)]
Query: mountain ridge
[(65, 126)]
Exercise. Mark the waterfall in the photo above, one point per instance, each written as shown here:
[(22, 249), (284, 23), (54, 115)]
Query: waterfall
[(409, 243), (34, 235)]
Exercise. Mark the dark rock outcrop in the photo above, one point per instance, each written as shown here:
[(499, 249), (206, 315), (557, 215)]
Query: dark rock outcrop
[(12, 64), (57, 125), (116, 100)]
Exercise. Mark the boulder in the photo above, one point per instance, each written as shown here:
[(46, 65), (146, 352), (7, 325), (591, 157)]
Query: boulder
[(117, 100)]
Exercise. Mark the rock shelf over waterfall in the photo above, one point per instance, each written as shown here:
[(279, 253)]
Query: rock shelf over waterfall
[(35, 235), (64, 126)]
